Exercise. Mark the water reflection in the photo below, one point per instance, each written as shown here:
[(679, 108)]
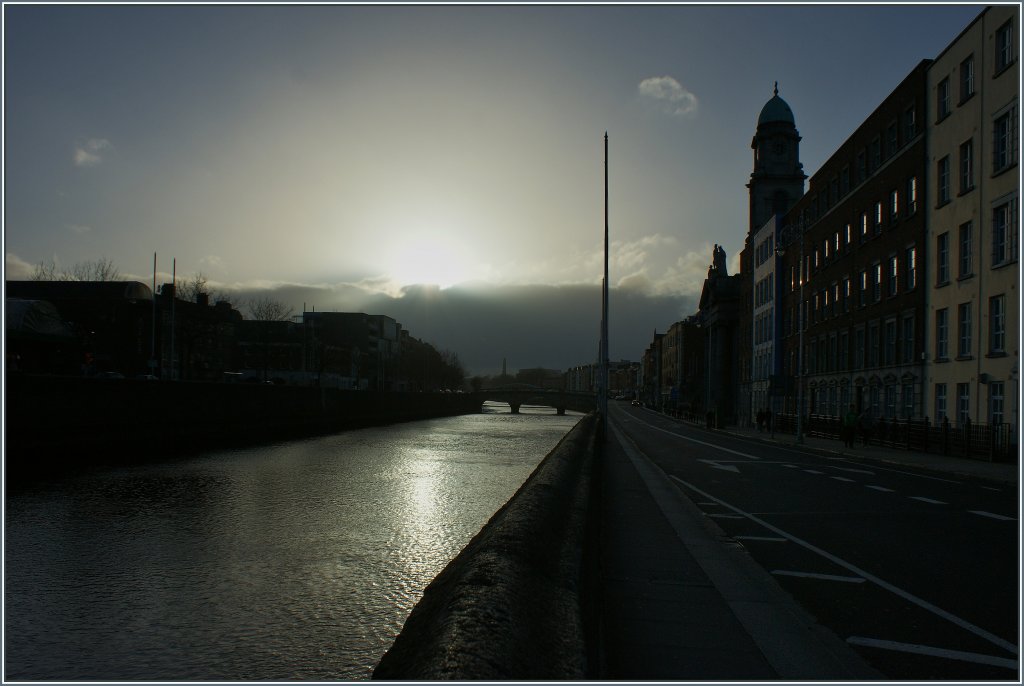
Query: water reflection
[(294, 561)]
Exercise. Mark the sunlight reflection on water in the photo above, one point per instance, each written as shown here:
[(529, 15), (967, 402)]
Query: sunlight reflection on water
[(293, 561)]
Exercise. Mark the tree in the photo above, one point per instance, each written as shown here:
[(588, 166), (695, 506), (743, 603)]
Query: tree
[(102, 269), (266, 311)]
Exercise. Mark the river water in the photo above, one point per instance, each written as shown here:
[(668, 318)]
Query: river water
[(299, 560)]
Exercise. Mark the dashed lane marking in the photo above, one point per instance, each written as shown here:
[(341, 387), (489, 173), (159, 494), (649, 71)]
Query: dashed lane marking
[(992, 515), (725, 516), (841, 478), (766, 539), (906, 595), (855, 471), (930, 501), (821, 577), (977, 658), (883, 489)]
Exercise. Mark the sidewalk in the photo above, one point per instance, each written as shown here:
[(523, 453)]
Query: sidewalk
[(679, 603), (1003, 473)]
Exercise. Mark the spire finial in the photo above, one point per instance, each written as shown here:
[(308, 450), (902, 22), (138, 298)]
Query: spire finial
[(776, 88)]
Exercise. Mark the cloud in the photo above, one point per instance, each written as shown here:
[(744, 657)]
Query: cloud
[(17, 269), (87, 153), (674, 99)]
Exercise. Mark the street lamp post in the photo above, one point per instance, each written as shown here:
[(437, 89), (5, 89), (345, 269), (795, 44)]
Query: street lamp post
[(799, 226)]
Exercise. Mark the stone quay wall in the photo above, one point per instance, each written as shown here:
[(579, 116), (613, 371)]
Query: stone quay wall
[(516, 603)]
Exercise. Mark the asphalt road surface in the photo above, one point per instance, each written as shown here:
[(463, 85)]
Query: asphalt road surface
[(917, 571)]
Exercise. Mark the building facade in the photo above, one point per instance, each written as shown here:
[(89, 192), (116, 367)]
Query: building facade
[(973, 275), (852, 268)]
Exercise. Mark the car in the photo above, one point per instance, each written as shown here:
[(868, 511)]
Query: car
[(635, 403)]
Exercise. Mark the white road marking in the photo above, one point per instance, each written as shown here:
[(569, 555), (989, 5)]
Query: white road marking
[(822, 577), (694, 440), (883, 489), (768, 539), (841, 478), (813, 471), (906, 595), (933, 652), (992, 515), (725, 516), (856, 471), (927, 500), (790, 466), (900, 471), (718, 465)]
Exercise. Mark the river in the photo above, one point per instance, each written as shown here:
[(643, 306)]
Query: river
[(298, 560)]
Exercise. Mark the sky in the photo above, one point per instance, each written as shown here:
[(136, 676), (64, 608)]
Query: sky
[(443, 165)]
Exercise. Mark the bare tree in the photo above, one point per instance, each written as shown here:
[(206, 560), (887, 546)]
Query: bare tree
[(267, 309), (102, 269)]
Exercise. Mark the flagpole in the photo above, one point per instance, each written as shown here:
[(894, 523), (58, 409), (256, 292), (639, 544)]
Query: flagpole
[(603, 385)]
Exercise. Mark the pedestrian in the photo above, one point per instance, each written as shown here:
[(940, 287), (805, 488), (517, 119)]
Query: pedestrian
[(768, 420), (850, 426)]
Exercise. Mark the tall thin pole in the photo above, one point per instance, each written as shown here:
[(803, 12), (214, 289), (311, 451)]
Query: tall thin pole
[(152, 336), (174, 296), (603, 400)]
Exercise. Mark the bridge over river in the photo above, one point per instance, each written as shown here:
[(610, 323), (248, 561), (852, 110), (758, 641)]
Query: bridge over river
[(560, 400)]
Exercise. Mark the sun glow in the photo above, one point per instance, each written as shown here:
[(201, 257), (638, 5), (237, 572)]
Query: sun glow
[(432, 262)]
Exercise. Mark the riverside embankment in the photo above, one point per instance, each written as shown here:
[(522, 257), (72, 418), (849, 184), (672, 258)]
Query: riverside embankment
[(78, 420), (517, 602)]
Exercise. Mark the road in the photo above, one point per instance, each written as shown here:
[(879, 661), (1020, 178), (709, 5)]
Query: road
[(917, 571)]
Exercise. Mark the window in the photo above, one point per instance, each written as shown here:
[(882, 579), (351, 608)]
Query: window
[(910, 266), (997, 324), (967, 78), (876, 291), (876, 153), (863, 226), (1004, 233), (963, 403), (964, 328), (942, 99), (890, 401), (942, 259), (942, 180), (942, 334), (863, 288), (966, 250), (911, 195), (889, 354), (891, 140), (846, 294), (1004, 143), (848, 237), (874, 344), (843, 360), (858, 348), (878, 218), (862, 166), (908, 339), (909, 124), (894, 275), (940, 402), (1004, 46), (967, 166), (908, 400), (844, 180), (894, 206), (996, 391)]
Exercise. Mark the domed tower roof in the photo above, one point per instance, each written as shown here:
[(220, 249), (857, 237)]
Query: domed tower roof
[(776, 110)]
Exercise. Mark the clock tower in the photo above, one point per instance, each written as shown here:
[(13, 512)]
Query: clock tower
[(777, 181)]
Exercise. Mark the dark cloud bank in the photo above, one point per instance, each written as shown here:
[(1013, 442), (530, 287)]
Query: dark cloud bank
[(531, 326)]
